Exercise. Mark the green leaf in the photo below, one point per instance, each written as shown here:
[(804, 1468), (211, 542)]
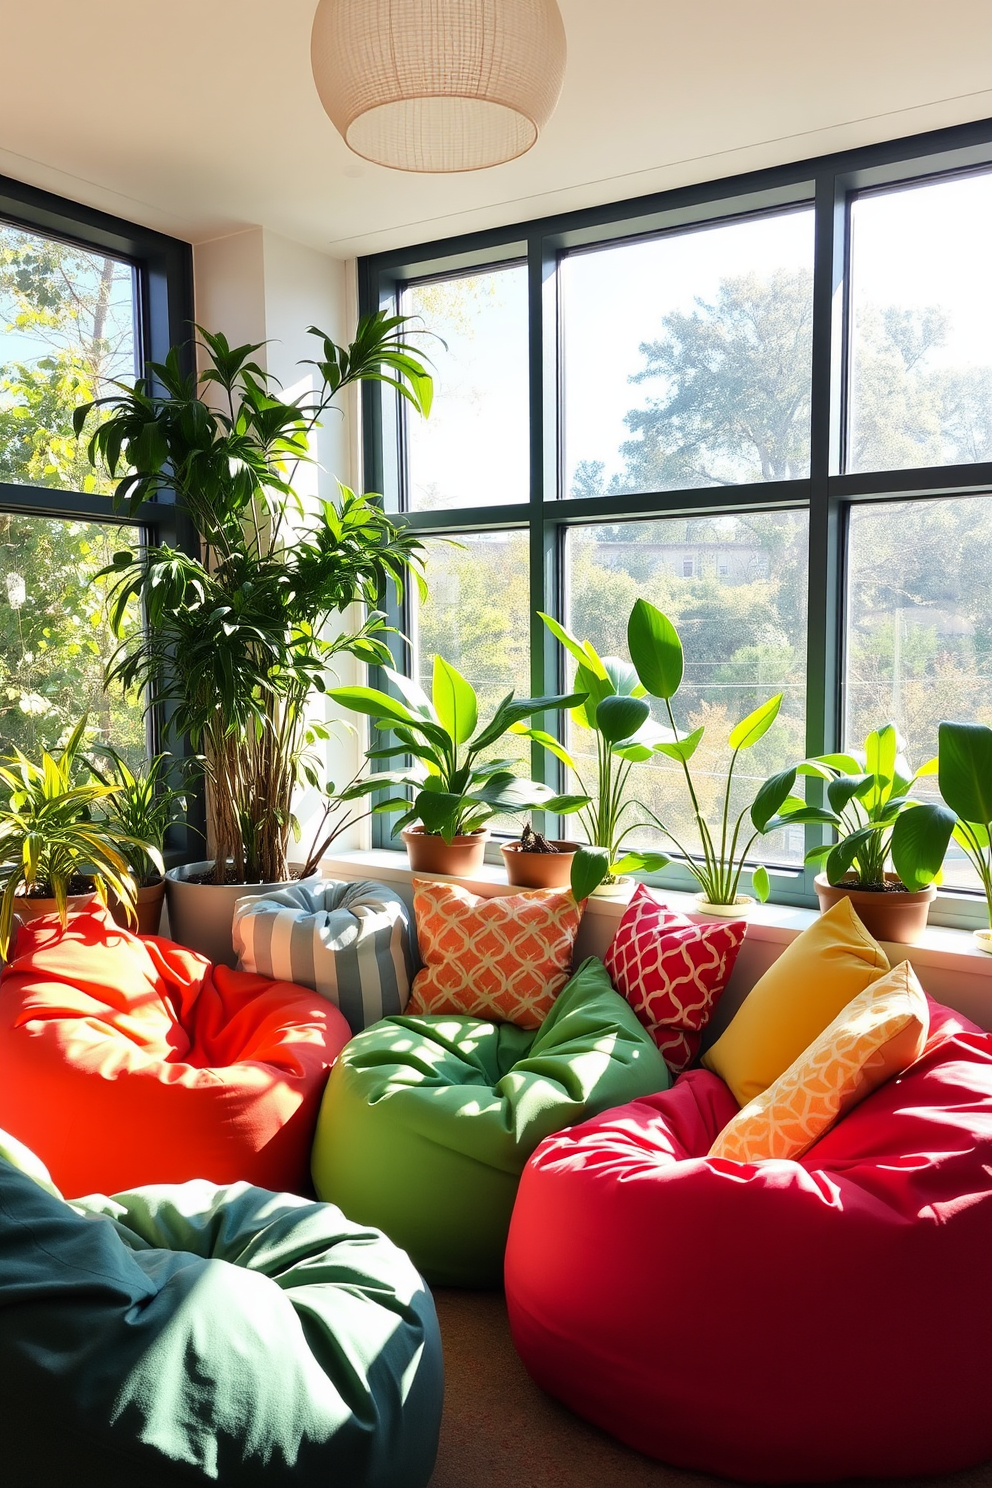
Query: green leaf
[(842, 790), (655, 649), (760, 883), (841, 857), (590, 865), (965, 770), (756, 724), (371, 702), (623, 677), (584, 654), (636, 861), (439, 811), (617, 718), (801, 816), (770, 798), (565, 805), (506, 792), (920, 839), (825, 765), (454, 702), (514, 710), (881, 749), (596, 688), (546, 740), (681, 749)]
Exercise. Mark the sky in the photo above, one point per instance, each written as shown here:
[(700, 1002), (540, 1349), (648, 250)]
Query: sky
[(914, 247)]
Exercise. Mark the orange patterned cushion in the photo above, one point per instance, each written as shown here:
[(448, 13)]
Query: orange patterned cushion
[(879, 1034), (504, 959)]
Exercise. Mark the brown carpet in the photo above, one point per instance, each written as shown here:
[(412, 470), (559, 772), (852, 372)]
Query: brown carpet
[(501, 1431)]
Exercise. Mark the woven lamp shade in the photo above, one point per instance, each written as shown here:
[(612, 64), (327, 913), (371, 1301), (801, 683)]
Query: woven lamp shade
[(438, 85)]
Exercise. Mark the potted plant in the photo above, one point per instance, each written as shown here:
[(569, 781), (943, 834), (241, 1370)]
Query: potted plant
[(877, 822), (141, 806), (617, 711), (453, 790), (55, 858), (538, 862), (964, 778), (239, 634)]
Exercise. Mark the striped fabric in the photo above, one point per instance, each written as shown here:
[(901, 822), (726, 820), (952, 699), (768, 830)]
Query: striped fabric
[(348, 941)]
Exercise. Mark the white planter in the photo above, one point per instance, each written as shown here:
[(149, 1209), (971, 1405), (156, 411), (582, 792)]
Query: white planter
[(983, 940), (739, 910), (619, 890), (201, 915)]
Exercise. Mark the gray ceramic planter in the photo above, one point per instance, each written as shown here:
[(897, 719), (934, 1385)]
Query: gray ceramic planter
[(201, 915)]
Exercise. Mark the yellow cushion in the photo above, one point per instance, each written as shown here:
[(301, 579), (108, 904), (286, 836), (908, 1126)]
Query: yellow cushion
[(814, 978), (878, 1035)]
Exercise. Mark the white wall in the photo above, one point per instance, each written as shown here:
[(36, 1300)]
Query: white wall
[(257, 286)]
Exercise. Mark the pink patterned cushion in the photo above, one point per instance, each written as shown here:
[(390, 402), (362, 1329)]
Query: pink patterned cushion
[(672, 971)]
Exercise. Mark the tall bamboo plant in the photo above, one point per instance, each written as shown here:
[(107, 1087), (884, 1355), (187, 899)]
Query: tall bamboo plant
[(239, 635)]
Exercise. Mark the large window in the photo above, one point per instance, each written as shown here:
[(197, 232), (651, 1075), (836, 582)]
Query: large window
[(764, 404), (84, 300)]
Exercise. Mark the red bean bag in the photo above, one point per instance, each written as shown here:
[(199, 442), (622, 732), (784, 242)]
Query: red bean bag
[(777, 1321), (128, 1060)]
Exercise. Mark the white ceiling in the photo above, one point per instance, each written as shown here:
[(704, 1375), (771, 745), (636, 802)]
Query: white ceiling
[(199, 117)]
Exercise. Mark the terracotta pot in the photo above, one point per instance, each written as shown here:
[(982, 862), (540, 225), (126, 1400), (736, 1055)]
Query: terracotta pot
[(739, 910), (31, 907), (899, 917), (148, 906), (201, 914), (533, 870), (429, 853)]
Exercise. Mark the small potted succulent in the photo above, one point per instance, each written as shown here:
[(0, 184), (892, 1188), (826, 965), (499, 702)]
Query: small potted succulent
[(54, 857), (453, 789), (538, 862), (877, 823)]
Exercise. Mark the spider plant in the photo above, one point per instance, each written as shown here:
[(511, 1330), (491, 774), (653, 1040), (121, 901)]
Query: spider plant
[(48, 837), (141, 806)]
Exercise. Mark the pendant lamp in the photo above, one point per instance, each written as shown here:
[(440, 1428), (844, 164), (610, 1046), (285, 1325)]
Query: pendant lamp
[(438, 85)]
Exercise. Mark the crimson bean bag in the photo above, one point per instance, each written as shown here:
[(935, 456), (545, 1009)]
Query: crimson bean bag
[(778, 1321), (128, 1060)]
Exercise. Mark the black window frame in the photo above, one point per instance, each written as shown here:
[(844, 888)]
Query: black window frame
[(828, 183), (164, 318)]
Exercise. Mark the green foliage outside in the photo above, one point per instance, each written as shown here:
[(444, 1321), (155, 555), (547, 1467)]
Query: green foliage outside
[(66, 326), (721, 398)]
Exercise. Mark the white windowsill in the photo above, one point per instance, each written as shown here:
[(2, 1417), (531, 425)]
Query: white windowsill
[(941, 948)]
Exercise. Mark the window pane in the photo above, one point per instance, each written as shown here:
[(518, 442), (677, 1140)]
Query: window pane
[(735, 587), (921, 388), (687, 358), (477, 616), (67, 326), (919, 632), (54, 636), (473, 450)]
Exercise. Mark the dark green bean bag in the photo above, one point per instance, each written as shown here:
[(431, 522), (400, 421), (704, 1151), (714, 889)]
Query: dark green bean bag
[(196, 1335), (427, 1122)]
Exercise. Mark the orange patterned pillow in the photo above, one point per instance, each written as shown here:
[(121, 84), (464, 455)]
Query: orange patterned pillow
[(879, 1034), (505, 958)]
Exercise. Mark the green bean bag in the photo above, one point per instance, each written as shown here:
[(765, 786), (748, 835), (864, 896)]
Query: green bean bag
[(427, 1122), (202, 1335)]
